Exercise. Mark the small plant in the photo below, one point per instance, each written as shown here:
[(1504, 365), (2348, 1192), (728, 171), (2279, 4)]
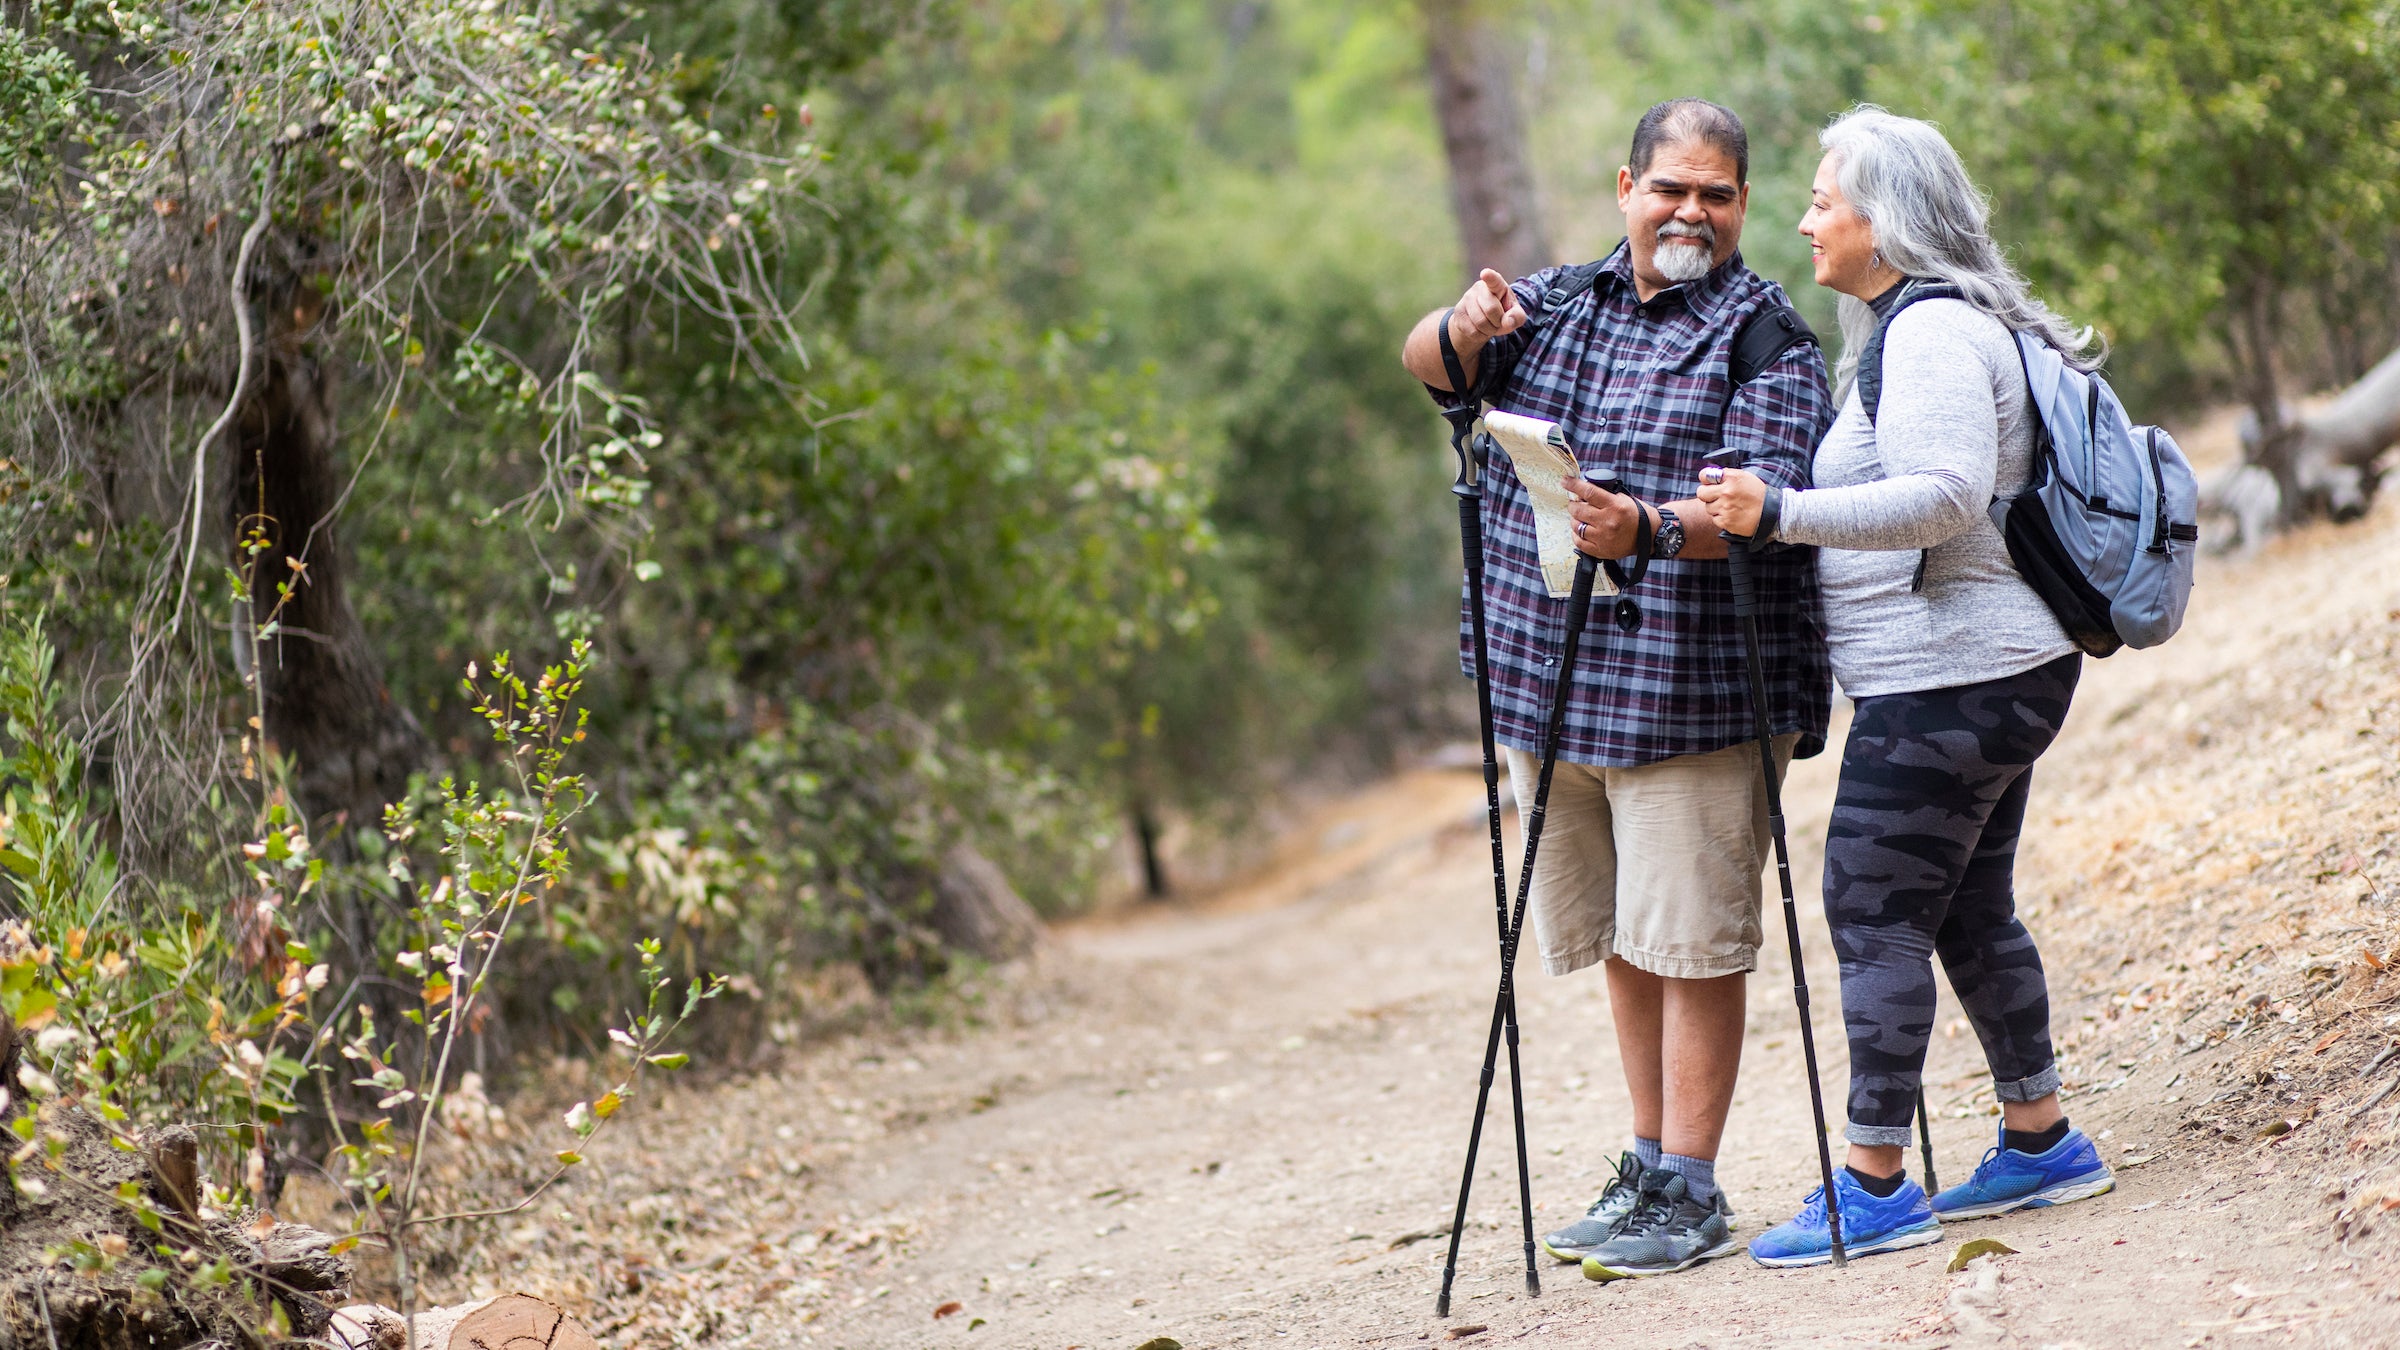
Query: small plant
[(498, 848)]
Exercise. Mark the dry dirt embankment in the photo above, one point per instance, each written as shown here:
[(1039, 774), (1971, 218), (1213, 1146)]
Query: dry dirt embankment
[(1234, 1123)]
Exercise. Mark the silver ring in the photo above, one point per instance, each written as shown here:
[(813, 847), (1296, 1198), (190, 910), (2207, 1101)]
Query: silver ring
[(1579, 529)]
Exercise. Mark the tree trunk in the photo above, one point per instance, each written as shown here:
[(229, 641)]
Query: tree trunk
[(2257, 326), (1146, 834), (1474, 62), (352, 747)]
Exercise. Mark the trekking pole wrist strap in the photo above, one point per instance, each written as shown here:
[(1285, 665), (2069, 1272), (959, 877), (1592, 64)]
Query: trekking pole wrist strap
[(1770, 518), (1452, 366), (1645, 545)]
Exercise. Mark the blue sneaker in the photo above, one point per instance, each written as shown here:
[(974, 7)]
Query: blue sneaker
[(1869, 1224), (2008, 1180)]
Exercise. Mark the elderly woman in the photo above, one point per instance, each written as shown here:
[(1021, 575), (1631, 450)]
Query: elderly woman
[(1961, 675)]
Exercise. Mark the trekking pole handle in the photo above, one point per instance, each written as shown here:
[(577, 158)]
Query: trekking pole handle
[(1603, 476), (1745, 594)]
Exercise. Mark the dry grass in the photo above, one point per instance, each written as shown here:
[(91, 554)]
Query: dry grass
[(2217, 867)]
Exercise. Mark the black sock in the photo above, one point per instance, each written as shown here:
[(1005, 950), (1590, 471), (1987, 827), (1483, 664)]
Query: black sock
[(1879, 1187), (2035, 1141)]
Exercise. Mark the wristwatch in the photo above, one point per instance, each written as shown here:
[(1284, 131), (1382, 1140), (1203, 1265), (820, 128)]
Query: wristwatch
[(1670, 535)]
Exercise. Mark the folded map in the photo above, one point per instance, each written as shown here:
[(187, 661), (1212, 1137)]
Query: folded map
[(1538, 451)]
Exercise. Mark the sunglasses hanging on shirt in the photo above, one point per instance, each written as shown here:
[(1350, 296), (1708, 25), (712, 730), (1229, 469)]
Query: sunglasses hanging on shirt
[(1629, 614)]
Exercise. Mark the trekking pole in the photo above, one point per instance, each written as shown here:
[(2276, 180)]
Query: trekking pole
[(1579, 604), (1925, 1139), (1745, 609), (1469, 491)]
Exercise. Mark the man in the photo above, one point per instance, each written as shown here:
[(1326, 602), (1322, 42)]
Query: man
[(1657, 759)]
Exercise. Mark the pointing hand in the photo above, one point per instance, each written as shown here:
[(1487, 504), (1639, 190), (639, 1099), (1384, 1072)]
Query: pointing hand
[(1487, 310)]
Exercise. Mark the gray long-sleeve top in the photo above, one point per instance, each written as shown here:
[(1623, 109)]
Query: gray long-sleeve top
[(1952, 428)]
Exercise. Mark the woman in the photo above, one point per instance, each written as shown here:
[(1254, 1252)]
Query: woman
[(1961, 675)]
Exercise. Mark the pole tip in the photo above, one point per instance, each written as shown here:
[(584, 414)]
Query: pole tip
[(1441, 1305)]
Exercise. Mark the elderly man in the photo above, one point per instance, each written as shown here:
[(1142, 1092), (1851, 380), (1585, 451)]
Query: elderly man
[(1657, 828)]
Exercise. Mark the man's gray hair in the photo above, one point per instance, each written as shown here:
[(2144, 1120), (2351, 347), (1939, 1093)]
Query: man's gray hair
[(1902, 176)]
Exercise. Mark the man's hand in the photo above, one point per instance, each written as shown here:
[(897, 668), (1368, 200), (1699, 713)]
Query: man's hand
[(1604, 520), (1487, 310)]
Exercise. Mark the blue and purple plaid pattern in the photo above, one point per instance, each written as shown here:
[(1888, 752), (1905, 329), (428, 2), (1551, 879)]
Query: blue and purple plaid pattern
[(1642, 387)]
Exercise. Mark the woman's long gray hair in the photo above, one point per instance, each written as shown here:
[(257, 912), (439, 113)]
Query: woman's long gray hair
[(1904, 179)]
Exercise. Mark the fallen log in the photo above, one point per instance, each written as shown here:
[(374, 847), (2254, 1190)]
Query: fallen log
[(509, 1322), (2329, 458)]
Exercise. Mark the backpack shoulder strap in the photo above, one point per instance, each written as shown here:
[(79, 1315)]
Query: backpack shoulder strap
[(1570, 283), (1870, 357), (1763, 339), (1769, 332)]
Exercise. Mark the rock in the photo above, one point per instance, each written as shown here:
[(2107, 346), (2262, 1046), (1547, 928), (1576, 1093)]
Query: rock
[(976, 910)]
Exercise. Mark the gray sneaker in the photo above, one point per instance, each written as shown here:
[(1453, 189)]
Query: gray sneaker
[(1599, 1223), (1667, 1231)]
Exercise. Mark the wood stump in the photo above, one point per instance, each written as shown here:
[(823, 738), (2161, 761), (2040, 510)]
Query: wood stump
[(509, 1322)]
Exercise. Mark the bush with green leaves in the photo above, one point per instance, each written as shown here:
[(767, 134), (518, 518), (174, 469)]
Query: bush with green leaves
[(149, 1009)]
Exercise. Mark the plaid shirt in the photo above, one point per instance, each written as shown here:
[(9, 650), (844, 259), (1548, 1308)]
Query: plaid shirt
[(1643, 385)]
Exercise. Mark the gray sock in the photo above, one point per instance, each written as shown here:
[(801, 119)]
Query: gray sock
[(1645, 1151), (1699, 1174)]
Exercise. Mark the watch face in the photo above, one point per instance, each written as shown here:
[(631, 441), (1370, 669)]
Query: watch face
[(1670, 539)]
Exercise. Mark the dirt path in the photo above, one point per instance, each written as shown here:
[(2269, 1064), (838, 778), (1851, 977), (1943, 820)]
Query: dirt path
[(1234, 1125)]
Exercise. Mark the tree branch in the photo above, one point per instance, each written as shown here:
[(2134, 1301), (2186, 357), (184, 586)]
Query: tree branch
[(248, 345)]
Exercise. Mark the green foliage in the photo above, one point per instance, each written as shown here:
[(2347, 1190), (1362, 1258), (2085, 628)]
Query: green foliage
[(2176, 172), (483, 144), (1241, 199), (2209, 185), (148, 1019), (42, 102)]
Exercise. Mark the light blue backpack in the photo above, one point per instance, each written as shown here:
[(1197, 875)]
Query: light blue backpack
[(2106, 529)]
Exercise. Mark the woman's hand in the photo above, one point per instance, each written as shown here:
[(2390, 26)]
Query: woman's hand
[(1734, 498), (1604, 520)]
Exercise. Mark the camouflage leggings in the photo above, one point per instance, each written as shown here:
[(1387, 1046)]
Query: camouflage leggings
[(1919, 861)]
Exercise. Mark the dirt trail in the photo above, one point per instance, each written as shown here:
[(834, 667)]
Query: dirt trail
[(1235, 1124)]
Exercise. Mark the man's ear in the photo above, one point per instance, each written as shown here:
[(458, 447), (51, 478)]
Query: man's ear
[(1624, 187)]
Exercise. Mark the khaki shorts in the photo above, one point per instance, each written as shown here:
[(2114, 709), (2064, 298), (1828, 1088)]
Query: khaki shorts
[(1658, 864)]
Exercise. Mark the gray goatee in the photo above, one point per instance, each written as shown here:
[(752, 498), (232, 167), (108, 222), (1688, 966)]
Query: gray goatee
[(1684, 252)]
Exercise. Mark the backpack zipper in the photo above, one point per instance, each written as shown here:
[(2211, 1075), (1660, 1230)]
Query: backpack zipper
[(2158, 482), (2091, 431)]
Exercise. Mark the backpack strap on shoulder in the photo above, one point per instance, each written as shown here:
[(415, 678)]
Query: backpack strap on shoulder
[(1760, 342), (1763, 339), (1573, 282), (1870, 357)]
